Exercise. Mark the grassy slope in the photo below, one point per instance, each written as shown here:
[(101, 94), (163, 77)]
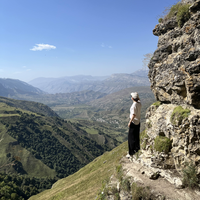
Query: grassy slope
[(8, 144), (78, 135), (86, 183), (26, 105)]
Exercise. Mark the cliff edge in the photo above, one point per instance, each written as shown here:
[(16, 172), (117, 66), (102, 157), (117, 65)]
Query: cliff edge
[(174, 70), (170, 142)]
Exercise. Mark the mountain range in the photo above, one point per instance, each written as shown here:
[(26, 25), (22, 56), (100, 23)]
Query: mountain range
[(104, 84)]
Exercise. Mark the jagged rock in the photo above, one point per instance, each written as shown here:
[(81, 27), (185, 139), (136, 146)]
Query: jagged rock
[(175, 66), (185, 138), (163, 28)]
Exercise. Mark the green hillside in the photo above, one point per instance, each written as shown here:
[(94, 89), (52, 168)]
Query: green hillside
[(86, 183), (61, 146), (28, 106), (36, 144)]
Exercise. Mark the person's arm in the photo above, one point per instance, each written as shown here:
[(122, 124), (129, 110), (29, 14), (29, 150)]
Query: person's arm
[(131, 120)]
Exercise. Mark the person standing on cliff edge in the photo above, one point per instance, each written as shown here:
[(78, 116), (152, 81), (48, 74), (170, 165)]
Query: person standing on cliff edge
[(134, 125)]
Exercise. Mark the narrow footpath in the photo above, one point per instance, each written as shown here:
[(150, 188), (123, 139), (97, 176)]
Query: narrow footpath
[(160, 186)]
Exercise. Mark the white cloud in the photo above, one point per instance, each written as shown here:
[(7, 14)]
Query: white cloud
[(110, 47), (40, 47)]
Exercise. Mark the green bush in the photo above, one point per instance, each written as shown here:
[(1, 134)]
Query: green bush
[(173, 10), (179, 114), (183, 15), (181, 11), (190, 178), (162, 144), (160, 20)]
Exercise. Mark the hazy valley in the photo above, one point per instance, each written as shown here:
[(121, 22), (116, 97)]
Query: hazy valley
[(54, 135)]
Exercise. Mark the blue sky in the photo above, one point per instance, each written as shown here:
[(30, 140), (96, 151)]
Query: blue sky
[(56, 38)]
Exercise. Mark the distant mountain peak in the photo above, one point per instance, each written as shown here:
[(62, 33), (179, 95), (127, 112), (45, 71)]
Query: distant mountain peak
[(103, 84), (14, 88)]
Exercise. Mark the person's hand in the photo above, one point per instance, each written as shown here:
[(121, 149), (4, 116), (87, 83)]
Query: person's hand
[(129, 124)]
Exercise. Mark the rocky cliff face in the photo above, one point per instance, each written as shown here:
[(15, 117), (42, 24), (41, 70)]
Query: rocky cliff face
[(175, 66), (172, 136)]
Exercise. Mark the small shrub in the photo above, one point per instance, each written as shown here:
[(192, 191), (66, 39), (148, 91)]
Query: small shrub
[(190, 178), (162, 144), (183, 14), (179, 114), (160, 20), (173, 10), (181, 11)]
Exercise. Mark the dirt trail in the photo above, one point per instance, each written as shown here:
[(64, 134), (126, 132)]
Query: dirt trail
[(159, 186)]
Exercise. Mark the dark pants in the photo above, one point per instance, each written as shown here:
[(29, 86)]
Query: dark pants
[(134, 138)]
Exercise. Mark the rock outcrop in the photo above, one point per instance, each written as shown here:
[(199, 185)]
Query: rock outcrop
[(175, 66), (183, 134), (172, 137)]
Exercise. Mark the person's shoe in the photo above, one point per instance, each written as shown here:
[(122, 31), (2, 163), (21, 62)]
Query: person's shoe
[(128, 155)]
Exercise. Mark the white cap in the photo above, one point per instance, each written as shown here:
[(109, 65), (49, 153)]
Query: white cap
[(135, 95)]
